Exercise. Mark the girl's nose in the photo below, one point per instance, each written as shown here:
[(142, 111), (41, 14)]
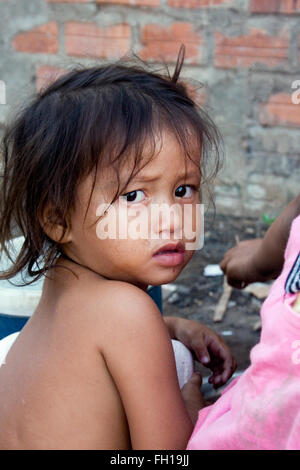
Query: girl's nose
[(167, 220)]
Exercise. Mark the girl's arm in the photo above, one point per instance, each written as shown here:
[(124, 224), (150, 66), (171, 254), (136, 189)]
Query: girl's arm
[(261, 259), (139, 356)]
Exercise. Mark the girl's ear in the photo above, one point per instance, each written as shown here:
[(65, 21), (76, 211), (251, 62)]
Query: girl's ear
[(53, 227)]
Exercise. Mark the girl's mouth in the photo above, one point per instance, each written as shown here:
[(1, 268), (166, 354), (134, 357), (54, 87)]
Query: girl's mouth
[(170, 255)]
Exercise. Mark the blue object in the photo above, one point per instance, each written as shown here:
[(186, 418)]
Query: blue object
[(11, 323), (155, 294)]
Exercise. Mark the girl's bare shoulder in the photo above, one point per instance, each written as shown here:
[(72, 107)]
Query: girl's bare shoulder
[(118, 301), (109, 307)]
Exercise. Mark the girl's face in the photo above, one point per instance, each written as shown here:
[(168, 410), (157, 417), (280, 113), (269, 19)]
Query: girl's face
[(158, 207)]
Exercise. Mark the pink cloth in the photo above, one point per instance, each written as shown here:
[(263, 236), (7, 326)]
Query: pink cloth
[(261, 408)]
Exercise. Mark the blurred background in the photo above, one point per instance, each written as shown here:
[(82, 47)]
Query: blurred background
[(246, 53)]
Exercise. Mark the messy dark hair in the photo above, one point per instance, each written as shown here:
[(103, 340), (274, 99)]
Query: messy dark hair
[(87, 119)]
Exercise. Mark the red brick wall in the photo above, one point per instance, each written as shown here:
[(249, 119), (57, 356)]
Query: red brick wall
[(247, 52)]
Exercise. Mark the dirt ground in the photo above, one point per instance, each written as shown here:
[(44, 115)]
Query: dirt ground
[(196, 295)]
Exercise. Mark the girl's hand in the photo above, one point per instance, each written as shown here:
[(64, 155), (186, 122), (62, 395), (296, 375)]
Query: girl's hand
[(206, 345), (193, 398), (239, 264)]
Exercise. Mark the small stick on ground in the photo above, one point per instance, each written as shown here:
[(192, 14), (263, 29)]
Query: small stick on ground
[(223, 302), (237, 239), (224, 299)]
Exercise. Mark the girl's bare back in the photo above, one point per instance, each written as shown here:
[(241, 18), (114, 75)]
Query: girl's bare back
[(55, 389)]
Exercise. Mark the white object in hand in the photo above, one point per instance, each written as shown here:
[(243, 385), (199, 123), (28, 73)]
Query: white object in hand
[(184, 362)]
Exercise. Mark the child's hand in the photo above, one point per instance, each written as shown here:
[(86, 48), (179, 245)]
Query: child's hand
[(192, 397), (207, 346), (239, 266)]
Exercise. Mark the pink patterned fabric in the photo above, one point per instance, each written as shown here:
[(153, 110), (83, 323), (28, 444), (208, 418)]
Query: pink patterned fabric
[(261, 408)]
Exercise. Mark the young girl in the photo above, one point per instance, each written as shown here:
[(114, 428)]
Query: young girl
[(260, 409), (94, 368)]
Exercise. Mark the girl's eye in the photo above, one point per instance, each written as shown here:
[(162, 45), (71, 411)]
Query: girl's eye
[(185, 190), (134, 196)]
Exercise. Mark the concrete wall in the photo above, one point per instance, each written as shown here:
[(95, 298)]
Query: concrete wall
[(246, 52)]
